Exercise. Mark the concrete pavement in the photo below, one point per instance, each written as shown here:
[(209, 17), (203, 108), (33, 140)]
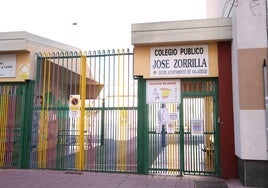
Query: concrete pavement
[(30, 178)]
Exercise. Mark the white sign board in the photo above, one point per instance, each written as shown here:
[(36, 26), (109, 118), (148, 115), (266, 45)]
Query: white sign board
[(74, 113), (197, 127), (179, 61), (171, 127), (163, 91), (163, 119), (7, 65), (163, 116), (174, 116)]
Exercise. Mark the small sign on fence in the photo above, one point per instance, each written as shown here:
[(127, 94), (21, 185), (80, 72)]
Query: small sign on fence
[(197, 127), (74, 106)]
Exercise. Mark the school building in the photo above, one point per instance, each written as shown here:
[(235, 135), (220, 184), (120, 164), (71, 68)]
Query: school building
[(189, 99)]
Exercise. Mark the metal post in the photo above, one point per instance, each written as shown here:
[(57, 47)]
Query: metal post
[(265, 81), (82, 118), (102, 122), (142, 135), (163, 132), (181, 139), (27, 94)]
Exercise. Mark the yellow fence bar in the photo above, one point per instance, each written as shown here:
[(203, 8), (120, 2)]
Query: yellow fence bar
[(43, 128), (121, 152), (209, 137), (3, 121), (82, 117)]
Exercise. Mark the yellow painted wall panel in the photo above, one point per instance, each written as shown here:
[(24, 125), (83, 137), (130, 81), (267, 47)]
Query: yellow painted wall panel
[(142, 61)]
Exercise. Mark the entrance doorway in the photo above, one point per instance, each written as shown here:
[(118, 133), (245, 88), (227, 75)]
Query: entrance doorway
[(188, 143)]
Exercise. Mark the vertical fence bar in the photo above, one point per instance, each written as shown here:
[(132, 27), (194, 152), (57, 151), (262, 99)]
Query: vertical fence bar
[(182, 146), (82, 118), (3, 123), (216, 130), (10, 126), (103, 101), (42, 127), (26, 122), (102, 122), (142, 158)]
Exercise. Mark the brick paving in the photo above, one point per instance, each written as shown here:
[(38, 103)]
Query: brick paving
[(30, 178)]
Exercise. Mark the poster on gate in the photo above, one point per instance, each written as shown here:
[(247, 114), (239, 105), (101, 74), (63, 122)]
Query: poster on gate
[(163, 116), (197, 127), (162, 91)]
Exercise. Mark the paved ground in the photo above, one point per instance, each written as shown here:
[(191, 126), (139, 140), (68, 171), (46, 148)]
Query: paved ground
[(15, 178)]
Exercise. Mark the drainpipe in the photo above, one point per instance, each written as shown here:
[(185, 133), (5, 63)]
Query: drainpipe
[(265, 81), (265, 100)]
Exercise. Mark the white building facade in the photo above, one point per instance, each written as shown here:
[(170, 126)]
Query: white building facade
[(249, 53)]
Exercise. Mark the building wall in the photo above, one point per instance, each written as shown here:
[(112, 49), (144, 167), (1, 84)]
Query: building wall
[(25, 46), (249, 49), (21, 65), (26, 62)]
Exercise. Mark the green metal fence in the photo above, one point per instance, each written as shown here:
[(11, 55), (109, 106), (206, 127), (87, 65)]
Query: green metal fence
[(85, 112), (14, 121)]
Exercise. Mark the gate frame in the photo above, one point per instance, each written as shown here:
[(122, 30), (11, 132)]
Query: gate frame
[(143, 126), (143, 129), (214, 94)]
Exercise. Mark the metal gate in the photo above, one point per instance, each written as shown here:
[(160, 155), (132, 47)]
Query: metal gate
[(12, 121), (164, 146), (199, 121), (85, 112), (192, 146)]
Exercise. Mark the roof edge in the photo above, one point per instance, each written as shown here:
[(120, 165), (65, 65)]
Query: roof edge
[(17, 41), (212, 29)]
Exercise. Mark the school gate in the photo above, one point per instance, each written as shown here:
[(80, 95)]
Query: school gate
[(84, 115), (88, 112)]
